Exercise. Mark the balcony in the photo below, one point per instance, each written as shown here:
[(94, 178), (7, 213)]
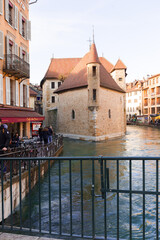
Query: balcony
[(15, 66)]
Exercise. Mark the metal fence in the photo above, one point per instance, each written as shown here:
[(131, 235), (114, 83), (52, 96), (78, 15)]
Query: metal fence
[(87, 197)]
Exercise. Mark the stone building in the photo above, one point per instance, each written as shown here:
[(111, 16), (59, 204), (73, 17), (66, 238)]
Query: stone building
[(90, 104)]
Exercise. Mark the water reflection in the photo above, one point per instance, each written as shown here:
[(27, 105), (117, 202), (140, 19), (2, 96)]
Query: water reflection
[(139, 141)]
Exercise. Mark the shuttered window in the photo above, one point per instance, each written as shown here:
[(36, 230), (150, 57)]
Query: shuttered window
[(28, 30), (1, 7), (8, 96), (27, 95), (17, 94), (1, 45), (7, 10), (20, 23), (21, 94), (16, 18), (16, 49), (1, 88)]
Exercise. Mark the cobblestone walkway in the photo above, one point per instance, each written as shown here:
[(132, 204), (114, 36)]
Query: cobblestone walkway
[(7, 236)]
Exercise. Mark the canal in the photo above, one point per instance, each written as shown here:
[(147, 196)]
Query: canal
[(138, 141)]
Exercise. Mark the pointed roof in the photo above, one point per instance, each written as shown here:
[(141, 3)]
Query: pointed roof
[(78, 76), (119, 65), (93, 56)]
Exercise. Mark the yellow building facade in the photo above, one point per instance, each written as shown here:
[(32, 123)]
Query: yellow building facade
[(15, 33)]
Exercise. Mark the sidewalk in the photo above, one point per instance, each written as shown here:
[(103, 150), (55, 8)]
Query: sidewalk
[(8, 236)]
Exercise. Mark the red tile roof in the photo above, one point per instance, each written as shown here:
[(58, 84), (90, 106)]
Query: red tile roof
[(119, 65), (78, 76)]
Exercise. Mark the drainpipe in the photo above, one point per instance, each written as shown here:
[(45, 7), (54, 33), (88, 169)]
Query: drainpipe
[(33, 2)]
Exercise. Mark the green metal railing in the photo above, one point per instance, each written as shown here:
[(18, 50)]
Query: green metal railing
[(100, 184)]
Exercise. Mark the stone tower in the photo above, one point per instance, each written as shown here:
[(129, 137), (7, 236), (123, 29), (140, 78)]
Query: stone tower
[(119, 74)]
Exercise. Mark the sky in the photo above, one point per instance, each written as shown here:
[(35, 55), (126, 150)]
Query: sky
[(124, 29)]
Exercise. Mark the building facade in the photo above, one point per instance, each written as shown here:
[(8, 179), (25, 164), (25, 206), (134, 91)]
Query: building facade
[(134, 99), (151, 96), (90, 103), (15, 33)]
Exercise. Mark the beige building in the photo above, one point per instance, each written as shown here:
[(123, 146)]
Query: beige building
[(134, 99), (90, 103)]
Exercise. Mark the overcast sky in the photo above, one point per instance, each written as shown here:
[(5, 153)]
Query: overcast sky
[(124, 29)]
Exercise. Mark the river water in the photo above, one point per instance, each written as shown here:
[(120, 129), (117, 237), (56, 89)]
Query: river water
[(138, 141)]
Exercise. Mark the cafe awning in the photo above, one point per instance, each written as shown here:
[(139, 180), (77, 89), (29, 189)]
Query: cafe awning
[(11, 115)]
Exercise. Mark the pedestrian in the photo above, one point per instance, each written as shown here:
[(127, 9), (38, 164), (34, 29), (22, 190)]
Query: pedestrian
[(50, 134), (15, 140), (40, 132), (45, 135), (4, 136)]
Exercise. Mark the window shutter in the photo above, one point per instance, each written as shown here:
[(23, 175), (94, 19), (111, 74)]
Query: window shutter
[(27, 57), (27, 95), (16, 18), (8, 97), (17, 94), (1, 45), (28, 30), (21, 94), (16, 49), (20, 23), (1, 88), (6, 10), (20, 52), (1, 7), (7, 45)]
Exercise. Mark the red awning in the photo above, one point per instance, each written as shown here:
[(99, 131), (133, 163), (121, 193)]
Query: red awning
[(10, 115)]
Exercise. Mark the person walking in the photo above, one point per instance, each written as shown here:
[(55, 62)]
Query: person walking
[(45, 135), (50, 134), (40, 132), (4, 136)]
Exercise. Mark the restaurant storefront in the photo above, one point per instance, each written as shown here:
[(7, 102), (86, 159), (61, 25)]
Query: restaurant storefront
[(19, 120)]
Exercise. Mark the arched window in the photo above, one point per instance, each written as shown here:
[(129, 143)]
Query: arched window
[(109, 113), (73, 114)]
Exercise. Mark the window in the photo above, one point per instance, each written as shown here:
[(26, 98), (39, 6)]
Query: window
[(52, 84), (94, 94), (53, 99), (94, 71), (59, 84), (23, 27), (120, 79), (135, 93), (73, 114), (109, 113), (10, 13)]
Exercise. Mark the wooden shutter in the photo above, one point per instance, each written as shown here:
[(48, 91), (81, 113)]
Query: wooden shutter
[(17, 94), (20, 52), (7, 45), (1, 7), (6, 10), (21, 94), (28, 27), (27, 95), (27, 57), (1, 45), (20, 23), (1, 88), (16, 18), (16, 49), (8, 96)]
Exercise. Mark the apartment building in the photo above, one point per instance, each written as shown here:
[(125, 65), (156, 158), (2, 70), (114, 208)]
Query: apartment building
[(134, 99), (15, 33), (151, 96)]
